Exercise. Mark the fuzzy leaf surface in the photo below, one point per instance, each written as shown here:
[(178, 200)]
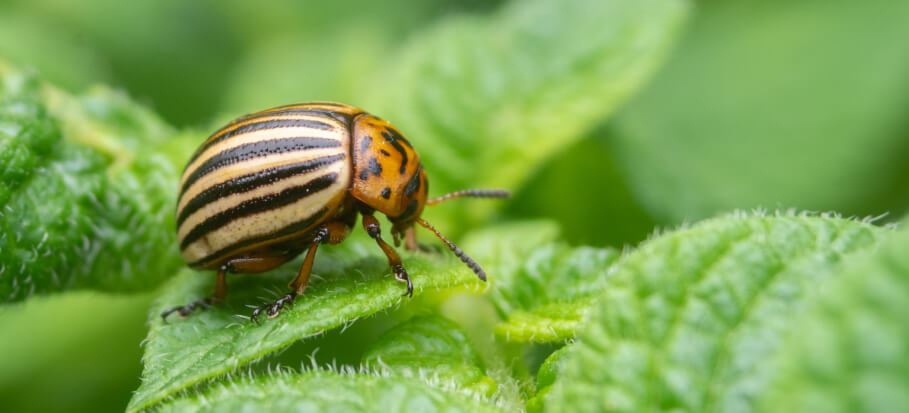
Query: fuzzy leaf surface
[(691, 317), (541, 288), (849, 352), (434, 348), (552, 291), (83, 202), (327, 392), (349, 281)]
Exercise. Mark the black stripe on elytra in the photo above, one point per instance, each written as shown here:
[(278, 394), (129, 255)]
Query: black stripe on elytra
[(252, 181), (343, 118), (256, 150), (414, 184), (394, 138), (257, 126), (290, 229), (364, 143), (258, 205)]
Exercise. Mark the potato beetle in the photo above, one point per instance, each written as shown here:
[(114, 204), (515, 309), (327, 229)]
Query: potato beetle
[(272, 184)]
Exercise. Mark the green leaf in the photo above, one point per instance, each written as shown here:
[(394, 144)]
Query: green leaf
[(583, 189), (540, 287), (552, 291), (327, 392), (486, 98), (690, 318), (432, 348), (349, 281), (546, 376), (75, 351), (849, 351), (770, 103), (86, 201), (27, 132), (32, 42), (278, 66)]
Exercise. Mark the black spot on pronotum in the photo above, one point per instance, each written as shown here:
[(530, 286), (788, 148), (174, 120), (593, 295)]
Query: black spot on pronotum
[(364, 143), (374, 167), (394, 138), (409, 211), (386, 193), (384, 152), (414, 184)]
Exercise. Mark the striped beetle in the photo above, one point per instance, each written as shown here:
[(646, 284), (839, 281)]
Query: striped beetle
[(271, 184)]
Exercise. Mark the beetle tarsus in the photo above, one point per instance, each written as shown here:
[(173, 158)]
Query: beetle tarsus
[(185, 310), (272, 310), (401, 275)]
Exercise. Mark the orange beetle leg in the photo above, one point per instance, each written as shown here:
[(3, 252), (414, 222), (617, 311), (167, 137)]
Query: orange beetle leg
[(331, 233), (371, 225)]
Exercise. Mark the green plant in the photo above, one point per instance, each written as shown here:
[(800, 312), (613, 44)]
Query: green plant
[(606, 117)]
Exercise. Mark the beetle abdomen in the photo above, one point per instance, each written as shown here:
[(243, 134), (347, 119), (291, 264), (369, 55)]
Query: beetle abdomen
[(263, 179)]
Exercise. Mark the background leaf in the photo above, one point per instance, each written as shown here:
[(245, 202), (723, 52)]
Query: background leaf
[(327, 392), (431, 348), (584, 190), (849, 351), (505, 88), (349, 281), (83, 201), (690, 318), (774, 104), (81, 348)]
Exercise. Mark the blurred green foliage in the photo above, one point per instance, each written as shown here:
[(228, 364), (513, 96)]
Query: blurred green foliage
[(609, 119)]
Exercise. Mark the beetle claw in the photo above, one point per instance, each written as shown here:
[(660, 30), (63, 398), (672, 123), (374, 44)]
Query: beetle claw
[(401, 275), (272, 310), (184, 310)]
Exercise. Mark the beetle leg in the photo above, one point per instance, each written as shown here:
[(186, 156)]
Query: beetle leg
[(332, 233), (220, 293), (371, 225), (249, 264), (410, 239)]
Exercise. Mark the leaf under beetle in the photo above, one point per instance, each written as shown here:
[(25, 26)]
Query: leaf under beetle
[(84, 203), (321, 391), (432, 348), (849, 351), (494, 95), (349, 281), (691, 317)]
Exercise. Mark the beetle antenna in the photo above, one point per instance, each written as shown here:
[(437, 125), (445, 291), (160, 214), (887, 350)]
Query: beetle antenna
[(457, 251), (471, 193)]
